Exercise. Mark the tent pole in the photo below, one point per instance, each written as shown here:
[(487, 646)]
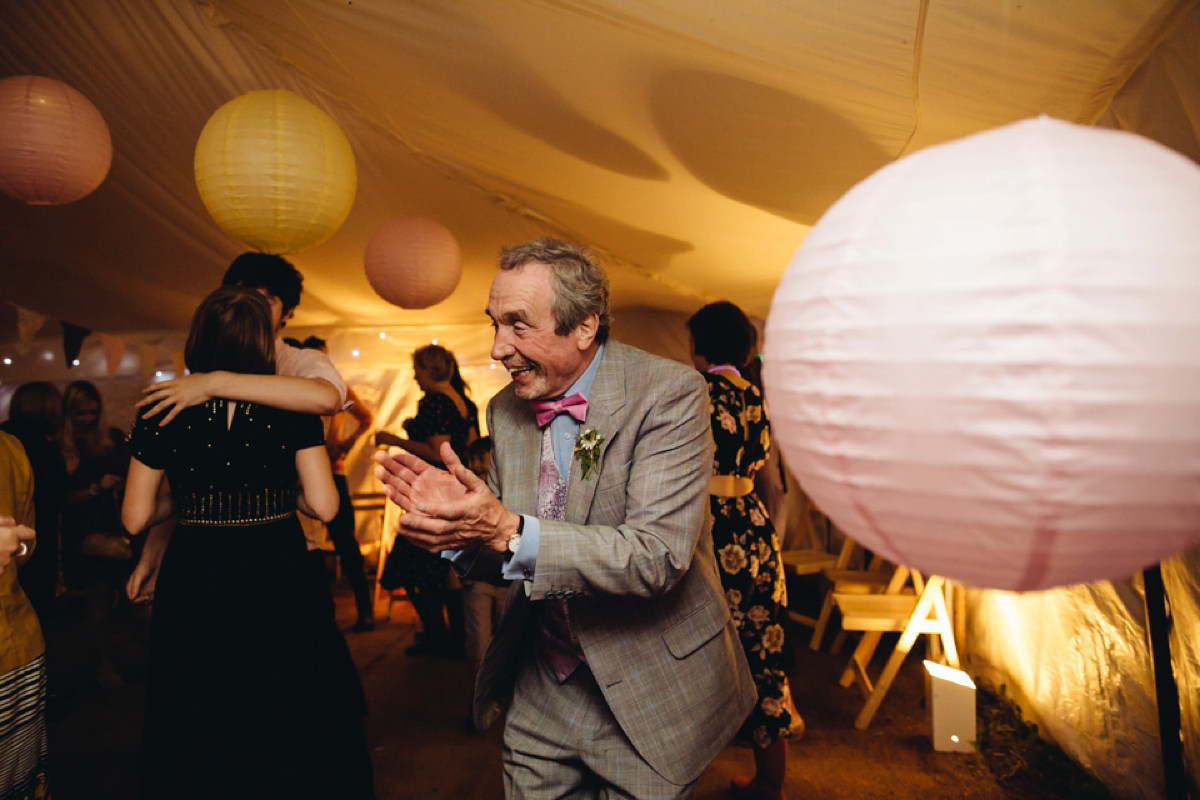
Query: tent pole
[(1165, 690)]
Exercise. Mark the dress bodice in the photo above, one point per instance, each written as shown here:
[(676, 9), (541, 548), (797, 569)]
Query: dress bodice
[(221, 472), (740, 428)]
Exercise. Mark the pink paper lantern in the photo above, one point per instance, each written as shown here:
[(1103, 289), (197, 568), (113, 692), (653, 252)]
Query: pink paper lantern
[(413, 262), (54, 145), (984, 360)]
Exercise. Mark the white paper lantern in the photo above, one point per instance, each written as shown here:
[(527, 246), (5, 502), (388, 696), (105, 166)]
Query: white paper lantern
[(413, 262), (275, 171), (984, 360), (54, 144)]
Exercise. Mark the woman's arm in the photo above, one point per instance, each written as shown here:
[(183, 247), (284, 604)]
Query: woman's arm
[(144, 506), (307, 395), (318, 495), (428, 450)]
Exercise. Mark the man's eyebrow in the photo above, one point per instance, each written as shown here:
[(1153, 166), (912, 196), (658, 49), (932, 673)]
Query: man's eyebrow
[(509, 316)]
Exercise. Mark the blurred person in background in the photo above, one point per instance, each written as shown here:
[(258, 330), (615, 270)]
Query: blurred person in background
[(23, 742), (445, 413), (96, 461), (744, 540), (35, 417), (343, 430)]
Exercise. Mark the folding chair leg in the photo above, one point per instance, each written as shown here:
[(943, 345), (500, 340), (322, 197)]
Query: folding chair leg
[(929, 598), (861, 658), (822, 621)]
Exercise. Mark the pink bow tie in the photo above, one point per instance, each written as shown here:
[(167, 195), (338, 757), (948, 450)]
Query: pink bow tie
[(546, 410)]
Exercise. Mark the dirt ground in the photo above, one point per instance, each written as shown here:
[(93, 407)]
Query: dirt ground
[(422, 749)]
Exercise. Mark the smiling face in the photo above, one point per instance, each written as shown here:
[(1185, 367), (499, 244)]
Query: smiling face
[(542, 363)]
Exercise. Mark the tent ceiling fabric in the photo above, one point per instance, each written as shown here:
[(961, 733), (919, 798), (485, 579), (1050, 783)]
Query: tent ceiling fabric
[(690, 142)]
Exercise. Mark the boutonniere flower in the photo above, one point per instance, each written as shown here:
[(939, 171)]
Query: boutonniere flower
[(587, 449)]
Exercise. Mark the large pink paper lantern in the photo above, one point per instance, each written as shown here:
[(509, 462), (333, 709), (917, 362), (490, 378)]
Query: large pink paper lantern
[(54, 145), (984, 360), (413, 262), (275, 171)]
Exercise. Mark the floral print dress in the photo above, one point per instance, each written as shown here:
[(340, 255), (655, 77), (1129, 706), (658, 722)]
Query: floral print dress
[(747, 550)]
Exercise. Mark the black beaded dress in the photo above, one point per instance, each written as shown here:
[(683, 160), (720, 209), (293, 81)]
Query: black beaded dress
[(251, 689)]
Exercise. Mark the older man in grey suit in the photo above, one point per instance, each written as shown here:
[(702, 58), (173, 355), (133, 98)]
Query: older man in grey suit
[(623, 668)]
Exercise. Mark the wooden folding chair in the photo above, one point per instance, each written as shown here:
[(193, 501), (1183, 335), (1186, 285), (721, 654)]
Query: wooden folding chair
[(874, 578), (924, 612), (810, 560)]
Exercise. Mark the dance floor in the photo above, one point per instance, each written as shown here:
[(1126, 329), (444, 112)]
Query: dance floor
[(422, 749)]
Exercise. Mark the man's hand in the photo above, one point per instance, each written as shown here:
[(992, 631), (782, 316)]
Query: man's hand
[(448, 509), (15, 540), (176, 395), (140, 586)]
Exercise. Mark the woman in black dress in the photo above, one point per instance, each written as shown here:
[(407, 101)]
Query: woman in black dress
[(251, 689), (745, 541), (444, 414)]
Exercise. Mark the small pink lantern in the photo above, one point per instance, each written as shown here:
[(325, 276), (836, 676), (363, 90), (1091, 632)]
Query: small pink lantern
[(984, 360), (54, 145), (413, 262)]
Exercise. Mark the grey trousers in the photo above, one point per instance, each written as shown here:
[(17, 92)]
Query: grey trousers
[(562, 742)]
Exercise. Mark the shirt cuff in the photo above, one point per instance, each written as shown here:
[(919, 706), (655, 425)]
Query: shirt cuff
[(461, 560), (523, 564)]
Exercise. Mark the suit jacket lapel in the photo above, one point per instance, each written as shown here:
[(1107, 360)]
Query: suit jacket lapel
[(605, 403), (522, 463)]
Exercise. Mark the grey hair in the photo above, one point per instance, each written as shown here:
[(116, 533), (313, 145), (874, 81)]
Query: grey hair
[(580, 285)]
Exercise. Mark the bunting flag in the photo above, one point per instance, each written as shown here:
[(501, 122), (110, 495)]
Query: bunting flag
[(177, 362), (114, 351), (73, 336), (147, 359), (28, 325)]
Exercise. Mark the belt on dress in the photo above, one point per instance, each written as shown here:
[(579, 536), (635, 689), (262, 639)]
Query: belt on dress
[(235, 507), (730, 485)]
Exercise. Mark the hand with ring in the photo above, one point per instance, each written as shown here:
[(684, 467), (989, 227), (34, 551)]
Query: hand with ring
[(14, 540)]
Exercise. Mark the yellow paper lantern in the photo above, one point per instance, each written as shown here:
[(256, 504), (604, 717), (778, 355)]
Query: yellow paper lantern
[(54, 145), (413, 262), (275, 171)]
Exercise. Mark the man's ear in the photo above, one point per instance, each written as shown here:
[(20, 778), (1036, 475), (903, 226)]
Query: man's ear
[(585, 332), (286, 317)]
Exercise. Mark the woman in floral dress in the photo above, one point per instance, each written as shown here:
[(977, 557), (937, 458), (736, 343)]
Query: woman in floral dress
[(745, 541)]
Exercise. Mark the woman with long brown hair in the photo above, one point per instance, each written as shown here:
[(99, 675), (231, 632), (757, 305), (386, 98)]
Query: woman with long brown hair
[(251, 689)]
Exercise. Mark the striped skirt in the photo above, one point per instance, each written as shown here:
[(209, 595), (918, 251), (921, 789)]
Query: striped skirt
[(23, 732)]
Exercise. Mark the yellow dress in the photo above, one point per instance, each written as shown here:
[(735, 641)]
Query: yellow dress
[(22, 649), (20, 634)]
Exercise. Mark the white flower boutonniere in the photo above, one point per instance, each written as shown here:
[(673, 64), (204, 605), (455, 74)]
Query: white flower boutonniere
[(587, 447)]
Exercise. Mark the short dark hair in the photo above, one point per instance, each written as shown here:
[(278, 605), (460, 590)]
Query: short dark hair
[(580, 285), (267, 271), (231, 330), (722, 333), (479, 447)]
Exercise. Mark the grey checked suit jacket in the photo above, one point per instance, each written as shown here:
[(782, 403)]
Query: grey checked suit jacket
[(634, 558)]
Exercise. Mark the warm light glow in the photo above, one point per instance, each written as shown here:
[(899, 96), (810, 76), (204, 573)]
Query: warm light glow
[(8, 361), (75, 362), (354, 353), (383, 334), (951, 674), (954, 738), (434, 341), (158, 373), (48, 355)]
